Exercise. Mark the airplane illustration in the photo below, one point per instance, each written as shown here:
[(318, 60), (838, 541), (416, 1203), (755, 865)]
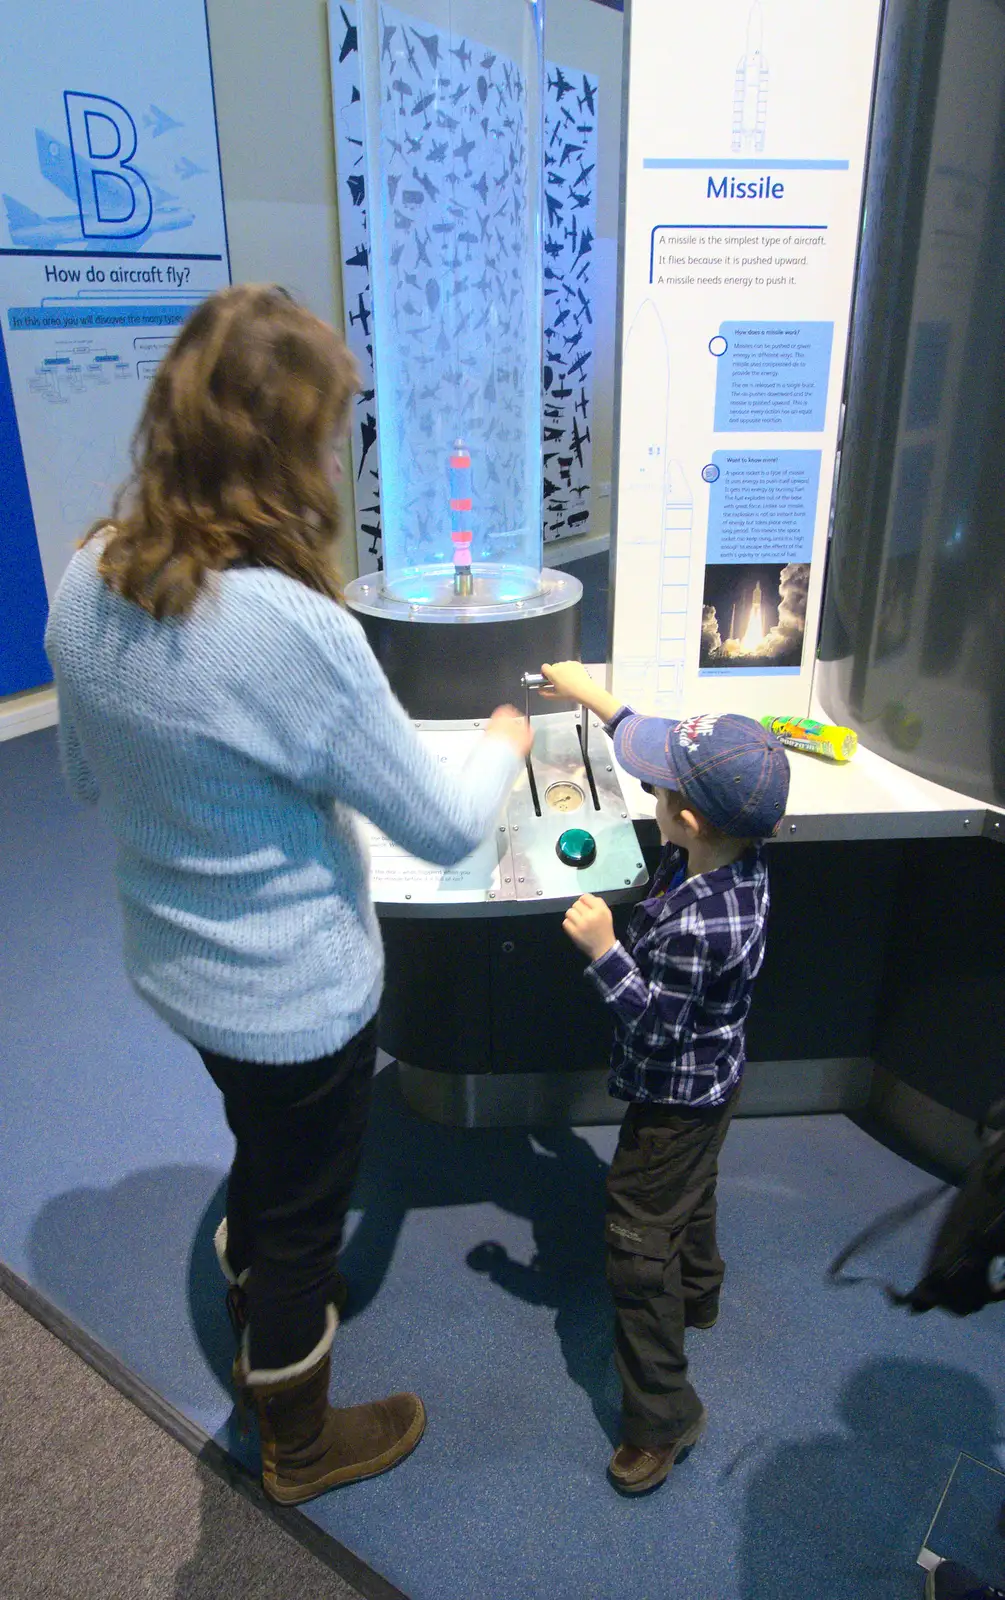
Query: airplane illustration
[(349, 40), (430, 43), (29, 230), (188, 169), (160, 121)]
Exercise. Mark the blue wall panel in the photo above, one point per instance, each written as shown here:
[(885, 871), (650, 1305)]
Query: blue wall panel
[(24, 607)]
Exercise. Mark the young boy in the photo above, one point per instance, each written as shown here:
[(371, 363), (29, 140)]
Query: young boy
[(680, 992)]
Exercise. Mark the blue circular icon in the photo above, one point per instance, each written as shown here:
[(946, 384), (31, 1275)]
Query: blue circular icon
[(718, 345), (710, 473)]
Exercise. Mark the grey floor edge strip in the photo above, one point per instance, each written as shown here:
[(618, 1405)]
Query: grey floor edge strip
[(338, 1557)]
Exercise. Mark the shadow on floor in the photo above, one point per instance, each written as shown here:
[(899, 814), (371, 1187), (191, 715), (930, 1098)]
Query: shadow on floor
[(207, 1292), (832, 1513), (120, 1261), (126, 1260), (844, 1513), (551, 1177)]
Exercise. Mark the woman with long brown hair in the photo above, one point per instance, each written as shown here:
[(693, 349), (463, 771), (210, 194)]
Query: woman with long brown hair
[(231, 718)]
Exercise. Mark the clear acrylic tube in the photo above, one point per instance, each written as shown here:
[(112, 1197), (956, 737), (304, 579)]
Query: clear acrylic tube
[(453, 94)]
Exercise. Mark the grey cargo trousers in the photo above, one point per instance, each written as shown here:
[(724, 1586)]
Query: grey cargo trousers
[(663, 1263)]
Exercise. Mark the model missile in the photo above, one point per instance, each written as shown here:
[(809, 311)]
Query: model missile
[(460, 517)]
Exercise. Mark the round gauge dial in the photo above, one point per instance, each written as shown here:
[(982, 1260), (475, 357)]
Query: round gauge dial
[(564, 796)]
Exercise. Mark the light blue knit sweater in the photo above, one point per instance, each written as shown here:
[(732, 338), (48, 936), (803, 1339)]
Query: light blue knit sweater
[(230, 750)]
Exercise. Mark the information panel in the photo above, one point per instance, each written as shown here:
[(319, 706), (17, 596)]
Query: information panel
[(111, 230), (397, 878), (747, 124)]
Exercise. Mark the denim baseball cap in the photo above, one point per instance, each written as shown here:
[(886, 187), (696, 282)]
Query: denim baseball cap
[(731, 769)]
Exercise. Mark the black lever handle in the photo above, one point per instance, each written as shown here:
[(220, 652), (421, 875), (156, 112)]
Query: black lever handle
[(529, 681), (537, 680)]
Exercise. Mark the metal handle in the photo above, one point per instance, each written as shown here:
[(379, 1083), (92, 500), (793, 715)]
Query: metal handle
[(537, 680), (529, 681)]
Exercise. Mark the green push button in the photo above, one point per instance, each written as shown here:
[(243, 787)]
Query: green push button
[(577, 848)]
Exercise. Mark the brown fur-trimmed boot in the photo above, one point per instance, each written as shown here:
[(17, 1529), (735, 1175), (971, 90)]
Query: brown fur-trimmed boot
[(309, 1446), (237, 1285)]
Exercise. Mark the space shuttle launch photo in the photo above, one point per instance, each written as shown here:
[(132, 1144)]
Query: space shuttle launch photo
[(765, 606), (755, 624)]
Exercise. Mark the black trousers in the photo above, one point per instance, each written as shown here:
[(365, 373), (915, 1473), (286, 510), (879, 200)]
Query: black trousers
[(299, 1134), (663, 1259)]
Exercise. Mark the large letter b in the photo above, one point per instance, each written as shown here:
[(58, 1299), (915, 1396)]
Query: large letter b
[(114, 200)]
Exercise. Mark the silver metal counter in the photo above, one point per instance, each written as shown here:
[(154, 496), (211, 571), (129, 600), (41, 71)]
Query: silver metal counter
[(467, 1053), (519, 870), (868, 797)]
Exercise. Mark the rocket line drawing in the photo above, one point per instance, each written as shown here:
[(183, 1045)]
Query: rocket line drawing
[(750, 87), (658, 514)]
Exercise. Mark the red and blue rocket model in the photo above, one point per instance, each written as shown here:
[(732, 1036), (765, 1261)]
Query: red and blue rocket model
[(460, 518)]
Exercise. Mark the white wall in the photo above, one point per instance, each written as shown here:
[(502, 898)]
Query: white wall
[(273, 109)]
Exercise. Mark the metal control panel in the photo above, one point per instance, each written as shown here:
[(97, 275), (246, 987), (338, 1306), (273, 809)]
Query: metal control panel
[(560, 796), (565, 831)]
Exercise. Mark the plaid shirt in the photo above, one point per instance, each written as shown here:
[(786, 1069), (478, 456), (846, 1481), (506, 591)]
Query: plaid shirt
[(681, 991)]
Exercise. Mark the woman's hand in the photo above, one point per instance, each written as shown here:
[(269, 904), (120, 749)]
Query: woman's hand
[(590, 926), (512, 727), (570, 681)]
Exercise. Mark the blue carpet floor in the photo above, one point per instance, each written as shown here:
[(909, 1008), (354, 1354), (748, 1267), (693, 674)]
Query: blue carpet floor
[(476, 1269), (969, 1516)]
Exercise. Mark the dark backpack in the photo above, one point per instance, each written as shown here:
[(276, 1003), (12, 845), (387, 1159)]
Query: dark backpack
[(965, 1269)]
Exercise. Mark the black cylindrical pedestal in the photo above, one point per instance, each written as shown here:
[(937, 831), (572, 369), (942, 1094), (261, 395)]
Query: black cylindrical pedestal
[(460, 668)]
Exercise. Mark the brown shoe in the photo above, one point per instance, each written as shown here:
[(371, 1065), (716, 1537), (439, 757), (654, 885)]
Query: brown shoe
[(237, 1285), (309, 1446), (633, 1469), (702, 1314)]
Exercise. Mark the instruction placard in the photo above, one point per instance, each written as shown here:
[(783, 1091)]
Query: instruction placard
[(746, 142), (111, 231)]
